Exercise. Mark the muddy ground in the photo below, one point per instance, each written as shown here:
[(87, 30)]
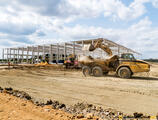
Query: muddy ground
[(139, 94)]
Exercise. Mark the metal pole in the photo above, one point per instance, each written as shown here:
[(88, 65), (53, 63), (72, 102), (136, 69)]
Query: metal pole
[(57, 60), (10, 52), (118, 50), (27, 55), (74, 48), (3, 55), (43, 52), (32, 55), (18, 56), (23, 54), (7, 54), (38, 54), (82, 47), (65, 51), (14, 55), (50, 54)]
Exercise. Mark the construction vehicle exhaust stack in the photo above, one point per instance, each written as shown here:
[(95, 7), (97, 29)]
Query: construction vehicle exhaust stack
[(124, 66)]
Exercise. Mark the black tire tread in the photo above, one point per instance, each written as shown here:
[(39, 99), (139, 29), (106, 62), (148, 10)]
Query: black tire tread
[(100, 70), (83, 71), (128, 75)]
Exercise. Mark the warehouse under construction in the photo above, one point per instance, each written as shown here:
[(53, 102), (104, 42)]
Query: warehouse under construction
[(58, 52)]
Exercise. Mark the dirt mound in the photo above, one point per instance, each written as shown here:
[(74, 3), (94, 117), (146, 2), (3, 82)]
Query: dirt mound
[(12, 108), (34, 66), (77, 111), (26, 108)]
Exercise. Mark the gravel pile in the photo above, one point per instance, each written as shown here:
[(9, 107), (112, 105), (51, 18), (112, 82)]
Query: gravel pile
[(79, 110)]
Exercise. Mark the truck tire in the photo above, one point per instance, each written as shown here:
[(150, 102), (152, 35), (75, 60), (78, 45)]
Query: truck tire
[(124, 72), (97, 71), (86, 71)]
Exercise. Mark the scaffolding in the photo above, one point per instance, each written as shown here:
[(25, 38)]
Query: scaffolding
[(59, 52)]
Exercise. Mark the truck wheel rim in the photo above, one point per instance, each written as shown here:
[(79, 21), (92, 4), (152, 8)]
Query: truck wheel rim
[(96, 72), (123, 73)]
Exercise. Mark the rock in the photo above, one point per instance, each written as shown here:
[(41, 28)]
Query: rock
[(23, 104), (98, 108), (55, 104), (9, 89), (20, 94), (49, 102), (90, 116), (47, 110), (41, 104), (95, 118), (137, 115), (61, 115), (79, 116), (36, 103), (26, 96), (93, 107), (107, 113), (1, 89), (61, 106), (1, 110), (56, 113)]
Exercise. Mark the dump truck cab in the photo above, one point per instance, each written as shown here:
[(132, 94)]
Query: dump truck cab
[(128, 65), (127, 56)]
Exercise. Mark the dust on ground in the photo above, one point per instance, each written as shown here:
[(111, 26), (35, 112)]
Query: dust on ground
[(138, 94)]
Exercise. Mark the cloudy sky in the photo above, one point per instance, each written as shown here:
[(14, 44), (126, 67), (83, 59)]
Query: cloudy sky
[(132, 23)]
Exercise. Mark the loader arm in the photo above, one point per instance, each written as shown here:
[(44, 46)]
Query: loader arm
[(104, 47)]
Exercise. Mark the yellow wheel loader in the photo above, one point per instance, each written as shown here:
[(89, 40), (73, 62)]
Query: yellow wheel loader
[(124, 66)]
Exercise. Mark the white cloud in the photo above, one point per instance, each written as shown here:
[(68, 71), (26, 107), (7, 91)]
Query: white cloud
[(155, 3), (111, 8), (139, 36), (32, 22), (73, 9)]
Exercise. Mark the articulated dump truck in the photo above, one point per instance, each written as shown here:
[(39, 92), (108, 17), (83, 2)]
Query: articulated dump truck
[(124, 66)]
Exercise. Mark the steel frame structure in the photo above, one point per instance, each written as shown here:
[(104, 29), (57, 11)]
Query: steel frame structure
[(60, 51)]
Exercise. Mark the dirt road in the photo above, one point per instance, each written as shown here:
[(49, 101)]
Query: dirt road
[(139, 94)]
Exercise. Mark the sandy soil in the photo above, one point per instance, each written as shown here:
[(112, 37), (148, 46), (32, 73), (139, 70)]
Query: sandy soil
[(139, 94), (12, 108)]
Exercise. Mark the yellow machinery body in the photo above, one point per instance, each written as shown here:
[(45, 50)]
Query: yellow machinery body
[(135, 66), (124, 67)]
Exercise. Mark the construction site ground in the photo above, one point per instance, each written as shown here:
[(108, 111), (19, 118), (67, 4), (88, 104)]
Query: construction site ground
[(138, 94)]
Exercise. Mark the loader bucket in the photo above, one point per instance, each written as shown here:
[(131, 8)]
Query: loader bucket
[(91, 47), (88, 47)]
